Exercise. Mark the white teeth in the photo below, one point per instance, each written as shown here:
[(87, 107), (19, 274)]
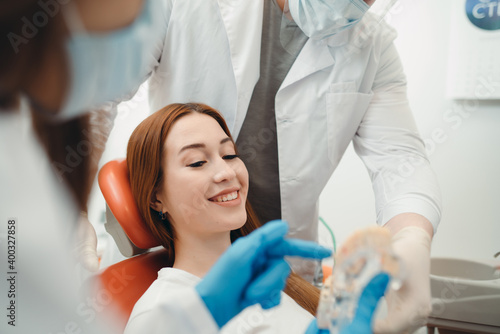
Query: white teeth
[(228, 197)]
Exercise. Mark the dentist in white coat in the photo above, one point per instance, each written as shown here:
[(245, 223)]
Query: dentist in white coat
[(295, 103), (339, 85)]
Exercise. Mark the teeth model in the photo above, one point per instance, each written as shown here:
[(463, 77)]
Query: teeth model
[(364, 254)]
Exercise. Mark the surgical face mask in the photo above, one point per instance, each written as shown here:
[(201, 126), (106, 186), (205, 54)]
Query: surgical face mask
[(320, 19), (110, 66)]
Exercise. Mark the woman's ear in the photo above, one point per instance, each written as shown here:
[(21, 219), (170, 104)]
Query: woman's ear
[(155, 202)]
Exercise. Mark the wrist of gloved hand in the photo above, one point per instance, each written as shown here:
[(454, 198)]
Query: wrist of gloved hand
[(409, 307)]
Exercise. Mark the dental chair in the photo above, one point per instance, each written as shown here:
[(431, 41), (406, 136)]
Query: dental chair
[(125, 282)]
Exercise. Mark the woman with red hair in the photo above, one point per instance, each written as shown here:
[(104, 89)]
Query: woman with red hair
[(191, 189)]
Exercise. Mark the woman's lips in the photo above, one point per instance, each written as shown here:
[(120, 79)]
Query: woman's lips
[(225, 197)]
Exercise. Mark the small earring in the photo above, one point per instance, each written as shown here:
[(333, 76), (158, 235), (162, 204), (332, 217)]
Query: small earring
[(162, 215)]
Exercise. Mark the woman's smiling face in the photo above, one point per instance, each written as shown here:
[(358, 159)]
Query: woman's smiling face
[(205, 184)]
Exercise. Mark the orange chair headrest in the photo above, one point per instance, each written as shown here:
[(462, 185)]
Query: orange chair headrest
[(115, 186)]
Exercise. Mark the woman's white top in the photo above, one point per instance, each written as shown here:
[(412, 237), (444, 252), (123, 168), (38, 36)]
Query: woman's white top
[(151, 312)]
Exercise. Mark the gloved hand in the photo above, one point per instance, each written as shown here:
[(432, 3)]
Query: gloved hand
[(408, 307), (86, 244), (253, 271), (367, 304)]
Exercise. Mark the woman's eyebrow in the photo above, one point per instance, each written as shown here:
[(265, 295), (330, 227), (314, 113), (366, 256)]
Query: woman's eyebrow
[(201, 145), (192, 146), (225, 140)]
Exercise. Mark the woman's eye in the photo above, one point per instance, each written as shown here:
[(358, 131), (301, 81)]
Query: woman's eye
[(197, 164), (230, 156)]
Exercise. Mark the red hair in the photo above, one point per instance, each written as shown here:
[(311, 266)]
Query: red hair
[(144, 155)]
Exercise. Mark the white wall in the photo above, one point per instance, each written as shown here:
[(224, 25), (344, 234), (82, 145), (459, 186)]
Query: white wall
[(466, 161)]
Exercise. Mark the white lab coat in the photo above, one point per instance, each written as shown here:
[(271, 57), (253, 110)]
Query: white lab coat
[(46, 295), (348, 87)]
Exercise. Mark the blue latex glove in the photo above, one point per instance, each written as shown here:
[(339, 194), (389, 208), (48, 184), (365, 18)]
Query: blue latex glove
[(253, 271), (362, 322)]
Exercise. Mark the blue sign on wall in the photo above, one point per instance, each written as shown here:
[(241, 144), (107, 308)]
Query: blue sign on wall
[(484, 14)]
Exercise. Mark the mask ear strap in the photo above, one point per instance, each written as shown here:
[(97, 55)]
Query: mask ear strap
[(72, 18)]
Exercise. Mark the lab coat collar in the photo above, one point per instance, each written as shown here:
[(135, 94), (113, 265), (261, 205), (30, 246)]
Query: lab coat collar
[(315, 56), (339, 39)]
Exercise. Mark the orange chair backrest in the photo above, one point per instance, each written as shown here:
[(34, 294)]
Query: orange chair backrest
[(115, 186)]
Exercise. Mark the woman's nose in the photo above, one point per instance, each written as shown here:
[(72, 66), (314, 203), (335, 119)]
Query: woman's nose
[(224, 171)]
